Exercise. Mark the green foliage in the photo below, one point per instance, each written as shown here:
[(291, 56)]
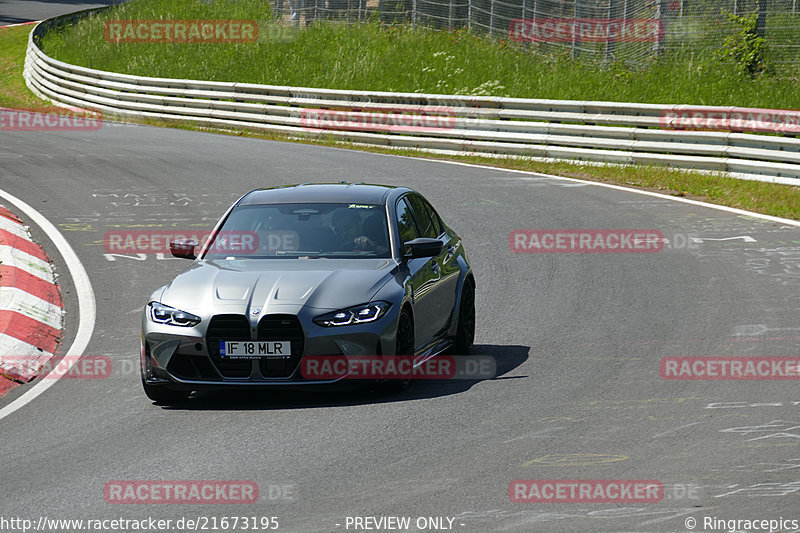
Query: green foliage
[(745, 48), (13, 91)]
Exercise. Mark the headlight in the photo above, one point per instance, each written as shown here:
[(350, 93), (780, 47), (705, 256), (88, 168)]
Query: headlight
[(164, 314), (354, 315)]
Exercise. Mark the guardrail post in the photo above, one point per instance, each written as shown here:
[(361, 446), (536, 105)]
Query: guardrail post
[(661, 15), (575, 41), (611, 45), (761, 24), (450, 14)]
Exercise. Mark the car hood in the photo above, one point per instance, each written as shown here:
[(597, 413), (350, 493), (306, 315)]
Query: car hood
[(269, 283)]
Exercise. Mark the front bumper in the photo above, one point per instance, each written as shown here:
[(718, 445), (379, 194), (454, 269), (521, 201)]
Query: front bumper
[(188, 358)]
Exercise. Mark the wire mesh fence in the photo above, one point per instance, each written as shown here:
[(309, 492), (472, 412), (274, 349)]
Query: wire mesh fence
[(627, 31)]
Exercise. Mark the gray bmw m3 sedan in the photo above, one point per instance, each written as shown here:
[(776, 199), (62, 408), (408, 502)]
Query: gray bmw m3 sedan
[(309, 270)]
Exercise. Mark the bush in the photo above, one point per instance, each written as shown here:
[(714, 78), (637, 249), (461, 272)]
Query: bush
[(745, 48)]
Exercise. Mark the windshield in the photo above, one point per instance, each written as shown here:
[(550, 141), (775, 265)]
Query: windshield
[(302, 230)]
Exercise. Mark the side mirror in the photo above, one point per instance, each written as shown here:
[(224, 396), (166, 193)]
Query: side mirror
[(184, 248), (423, 247)]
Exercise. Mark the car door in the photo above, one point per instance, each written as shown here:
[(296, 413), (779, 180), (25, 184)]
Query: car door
[(443, 291), (448, 262), (423, 276)]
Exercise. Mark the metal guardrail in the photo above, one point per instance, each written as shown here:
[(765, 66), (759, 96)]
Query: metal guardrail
[(605, 132)]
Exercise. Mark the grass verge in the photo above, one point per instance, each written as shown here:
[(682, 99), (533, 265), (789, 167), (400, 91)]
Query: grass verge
[(13, 91), (771, 199)]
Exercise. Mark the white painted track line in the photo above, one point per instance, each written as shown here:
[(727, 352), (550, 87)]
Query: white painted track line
[(733, 210)]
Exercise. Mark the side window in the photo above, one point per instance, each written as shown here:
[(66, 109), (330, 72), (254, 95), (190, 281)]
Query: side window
[(405, 221), (437, 222), (423, 217)]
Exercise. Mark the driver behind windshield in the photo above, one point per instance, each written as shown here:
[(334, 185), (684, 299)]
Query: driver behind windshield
[(351, 234)]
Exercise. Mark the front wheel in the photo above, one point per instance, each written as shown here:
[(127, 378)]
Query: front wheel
[(465, 332), (161, 394), (404, 345)]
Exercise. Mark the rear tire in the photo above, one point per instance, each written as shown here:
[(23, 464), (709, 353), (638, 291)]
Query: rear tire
[(465, 332)]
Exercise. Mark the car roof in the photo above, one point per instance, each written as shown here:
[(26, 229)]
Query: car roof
[(327, 193)]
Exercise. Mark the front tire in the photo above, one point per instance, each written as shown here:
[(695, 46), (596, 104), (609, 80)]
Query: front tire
[(161, 394), (403, 345), (158, 393)]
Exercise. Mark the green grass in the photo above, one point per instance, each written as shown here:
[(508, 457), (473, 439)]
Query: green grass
[(13, 91), (372, 57)]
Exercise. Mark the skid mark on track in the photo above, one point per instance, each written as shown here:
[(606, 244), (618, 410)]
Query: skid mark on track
[(574, 459)]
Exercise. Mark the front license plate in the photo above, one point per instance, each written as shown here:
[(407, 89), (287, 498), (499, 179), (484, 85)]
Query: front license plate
[(255, 349)]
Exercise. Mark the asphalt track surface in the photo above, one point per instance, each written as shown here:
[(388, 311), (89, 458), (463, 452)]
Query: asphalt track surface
[(18, 11), (577, 337)]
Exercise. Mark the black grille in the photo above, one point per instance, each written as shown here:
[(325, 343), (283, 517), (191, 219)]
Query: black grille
[(281, 328), (229, 328)]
